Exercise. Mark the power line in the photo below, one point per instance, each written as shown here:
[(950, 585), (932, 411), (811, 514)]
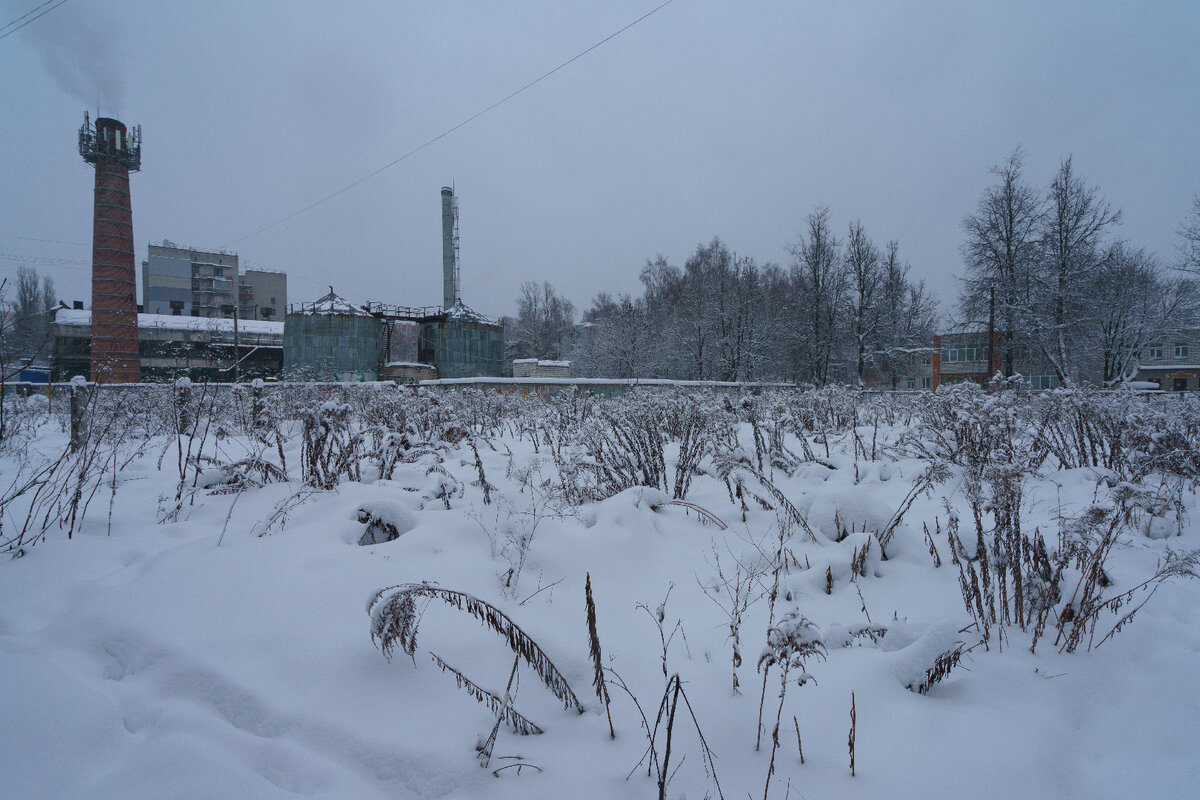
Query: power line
[(26, 14), (48, 241), (31, 19), (449, 131)]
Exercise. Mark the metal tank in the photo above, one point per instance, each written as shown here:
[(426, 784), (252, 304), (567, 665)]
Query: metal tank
[(331, 340), (462, 345)]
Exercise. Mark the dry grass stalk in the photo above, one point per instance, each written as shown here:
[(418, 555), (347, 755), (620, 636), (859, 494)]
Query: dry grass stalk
[(394, 621), (594, 649), (520, 724), (727, 465), (938, 472), (799, 743), (933, 551), (789, 644), (853, 730), (941, 668), (670, 702), (483, 483), (703, 513), (858, 561), (486, 749)]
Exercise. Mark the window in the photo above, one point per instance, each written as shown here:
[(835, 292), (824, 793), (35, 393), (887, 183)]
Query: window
[(926, 382), (1155, 352), (1181, 350), (912, 383), (955, 354), (1040, 382)]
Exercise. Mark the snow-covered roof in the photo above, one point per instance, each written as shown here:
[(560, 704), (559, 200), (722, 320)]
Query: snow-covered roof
[(463, 311), (408, 364), (81, 317), (553, 363), (330, 304)]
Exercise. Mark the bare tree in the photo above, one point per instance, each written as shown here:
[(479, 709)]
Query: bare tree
[(664, 294), (864, 291), (617, 340), (544, 322), (1136, 305), (819, 283), (28, 330), (1001, 252), (907, 318), (1189, 231), (1072, 232)]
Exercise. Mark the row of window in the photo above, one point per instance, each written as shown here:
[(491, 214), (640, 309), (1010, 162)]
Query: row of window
[(1156, 351), (953, 354), (960, 354), (1037, 382)]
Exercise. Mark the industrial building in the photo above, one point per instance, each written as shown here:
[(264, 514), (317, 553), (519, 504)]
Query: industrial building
[(331, 340), (540, 368), (184, 281), (203, 349)]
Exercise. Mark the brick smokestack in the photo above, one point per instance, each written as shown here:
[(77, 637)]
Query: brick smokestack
[(114, 152)]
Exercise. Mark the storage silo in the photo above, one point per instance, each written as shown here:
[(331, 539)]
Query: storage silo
[(462, 344), (331, 340)]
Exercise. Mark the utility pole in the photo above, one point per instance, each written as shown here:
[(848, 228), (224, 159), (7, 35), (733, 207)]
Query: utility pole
[(237, 349), (991, 334), (232, 308)]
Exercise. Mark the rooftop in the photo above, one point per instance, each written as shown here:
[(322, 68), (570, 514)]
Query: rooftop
[(83, 317)]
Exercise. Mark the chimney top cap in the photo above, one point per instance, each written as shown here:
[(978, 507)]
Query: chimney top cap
[(109, 122)]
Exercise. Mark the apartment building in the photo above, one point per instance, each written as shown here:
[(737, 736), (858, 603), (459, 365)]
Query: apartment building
[(183, 281)]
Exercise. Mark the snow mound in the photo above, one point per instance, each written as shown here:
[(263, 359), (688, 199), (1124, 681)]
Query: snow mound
[(616, 508), (914, 656), (386, 521), (850, 507)]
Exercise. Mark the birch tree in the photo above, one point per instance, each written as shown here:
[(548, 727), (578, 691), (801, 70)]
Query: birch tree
[(1001, 253), (818, 280), (1072, 234)]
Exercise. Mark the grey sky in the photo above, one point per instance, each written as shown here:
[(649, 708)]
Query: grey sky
[(709, 118)]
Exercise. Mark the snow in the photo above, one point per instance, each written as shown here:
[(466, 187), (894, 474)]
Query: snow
[(328, 304), (83, 317), (660, 382), (183, 659)]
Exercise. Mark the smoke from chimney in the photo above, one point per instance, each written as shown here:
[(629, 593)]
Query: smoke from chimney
[(81, 52)]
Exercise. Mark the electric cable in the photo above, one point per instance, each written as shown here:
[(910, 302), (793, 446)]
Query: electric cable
[(451, 130), (6, 34)]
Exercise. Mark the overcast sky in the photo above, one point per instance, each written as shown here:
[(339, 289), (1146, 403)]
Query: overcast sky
[(708, 118)]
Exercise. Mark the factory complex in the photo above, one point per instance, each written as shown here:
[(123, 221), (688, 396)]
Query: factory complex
[(205, 316)]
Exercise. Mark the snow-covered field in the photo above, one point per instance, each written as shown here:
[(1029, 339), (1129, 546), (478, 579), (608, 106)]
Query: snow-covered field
[(203, 629)]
